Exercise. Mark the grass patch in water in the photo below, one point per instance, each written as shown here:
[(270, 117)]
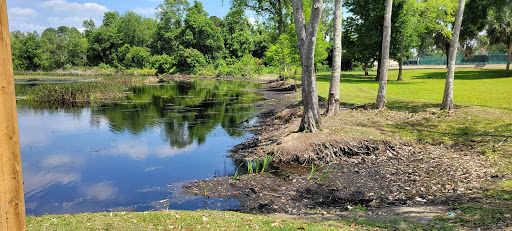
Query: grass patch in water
[(107, 89)]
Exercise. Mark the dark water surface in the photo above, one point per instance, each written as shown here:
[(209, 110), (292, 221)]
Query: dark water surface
[(132, 155)]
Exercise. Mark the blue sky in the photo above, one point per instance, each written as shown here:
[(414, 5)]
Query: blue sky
[(37, 15)]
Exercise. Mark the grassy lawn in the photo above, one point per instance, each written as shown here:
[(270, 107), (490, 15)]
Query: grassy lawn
[(481, 87), (213, 220)]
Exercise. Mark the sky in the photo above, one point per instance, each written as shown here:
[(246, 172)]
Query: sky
[(37, 15)]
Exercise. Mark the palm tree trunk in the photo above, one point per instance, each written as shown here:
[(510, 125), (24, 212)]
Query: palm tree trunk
[(384, 62), (333, 101), (450, 75)]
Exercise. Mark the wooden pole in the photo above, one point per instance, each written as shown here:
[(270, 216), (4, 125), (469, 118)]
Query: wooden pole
[(12, 203)]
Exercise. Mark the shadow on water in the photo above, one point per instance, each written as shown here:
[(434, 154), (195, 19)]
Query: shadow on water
[(134, 154)]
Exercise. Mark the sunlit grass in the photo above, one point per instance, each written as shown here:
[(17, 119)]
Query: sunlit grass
[(481, 87)]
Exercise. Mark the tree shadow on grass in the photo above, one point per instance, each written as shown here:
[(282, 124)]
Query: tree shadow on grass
[(347, 78), (465, 74), (413, 107)]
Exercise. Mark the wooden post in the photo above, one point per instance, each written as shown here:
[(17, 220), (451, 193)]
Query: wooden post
[(12, 203)]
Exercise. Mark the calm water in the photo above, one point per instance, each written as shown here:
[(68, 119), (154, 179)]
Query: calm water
[(134, 155)]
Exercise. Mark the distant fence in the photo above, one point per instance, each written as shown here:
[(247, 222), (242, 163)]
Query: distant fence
[(495, 58)]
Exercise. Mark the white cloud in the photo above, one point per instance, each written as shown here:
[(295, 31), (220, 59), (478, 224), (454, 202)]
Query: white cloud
[(65, 8), (22, 12), (26, 27), (145, 10), (67, 21), (35, 182), (99, 191)]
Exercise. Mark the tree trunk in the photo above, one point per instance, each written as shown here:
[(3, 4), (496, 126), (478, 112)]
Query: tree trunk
[(509, 54), (333, 102), (386, 41), (379, 64), (12, 203), (448, 88), (447, 47), (400, 59), (306, 38)]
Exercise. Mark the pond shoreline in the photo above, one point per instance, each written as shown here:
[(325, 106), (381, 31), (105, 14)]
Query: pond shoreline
[(376, 173)]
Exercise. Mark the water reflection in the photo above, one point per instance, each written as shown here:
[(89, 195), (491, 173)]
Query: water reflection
[(132, 155)]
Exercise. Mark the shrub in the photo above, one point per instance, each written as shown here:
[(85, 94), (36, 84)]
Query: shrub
[(186, 61), (162, 64)]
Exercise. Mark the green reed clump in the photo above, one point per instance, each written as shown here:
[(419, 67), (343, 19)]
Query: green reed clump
[(254, 166), (108, 89)]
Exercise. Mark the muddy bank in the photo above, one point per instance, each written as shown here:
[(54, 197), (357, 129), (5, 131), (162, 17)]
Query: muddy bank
[(352, 169)]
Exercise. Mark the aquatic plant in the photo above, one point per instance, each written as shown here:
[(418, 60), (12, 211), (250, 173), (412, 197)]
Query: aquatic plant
[(108, 89), (324, 173), (266, 161), (250, 168), (313, 170)]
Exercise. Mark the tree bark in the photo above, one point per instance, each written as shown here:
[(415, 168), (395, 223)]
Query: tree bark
[(12, 203), (383, 66), (509, 55), (306, 38), (450, 75), (333, 101), (400, 59)]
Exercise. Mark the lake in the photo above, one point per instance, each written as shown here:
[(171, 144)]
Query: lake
[(135, 154)]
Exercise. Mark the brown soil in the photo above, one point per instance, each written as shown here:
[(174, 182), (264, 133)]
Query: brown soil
[(362, 167)]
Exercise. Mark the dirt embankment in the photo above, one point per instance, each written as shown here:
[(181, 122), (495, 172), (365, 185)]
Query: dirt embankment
[(354, 166)]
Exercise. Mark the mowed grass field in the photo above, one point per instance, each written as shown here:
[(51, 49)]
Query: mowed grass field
[(480, 87)]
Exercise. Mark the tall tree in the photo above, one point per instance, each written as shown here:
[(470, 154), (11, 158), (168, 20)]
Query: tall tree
[(276, 11), (237, 33), (306, 39), (386, 43), (500, 30), (201, 34), (333, 101), (450, 75), (170, 16)]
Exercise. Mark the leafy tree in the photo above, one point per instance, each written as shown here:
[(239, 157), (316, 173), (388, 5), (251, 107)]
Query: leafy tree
[(167, 34), (89, 27), (237, 34), (277, 12), (17, 48), (30, 53), (134, 29), (282, 53), (200, 33), (366, 27), (500, 31)]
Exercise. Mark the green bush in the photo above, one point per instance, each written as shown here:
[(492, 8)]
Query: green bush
[(186, 61), (162, 64)]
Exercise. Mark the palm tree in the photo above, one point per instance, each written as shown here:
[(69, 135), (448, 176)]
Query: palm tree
[(500, 30)]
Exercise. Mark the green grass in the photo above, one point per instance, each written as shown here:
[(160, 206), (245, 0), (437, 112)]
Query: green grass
[(481, 87), (211, 220)]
